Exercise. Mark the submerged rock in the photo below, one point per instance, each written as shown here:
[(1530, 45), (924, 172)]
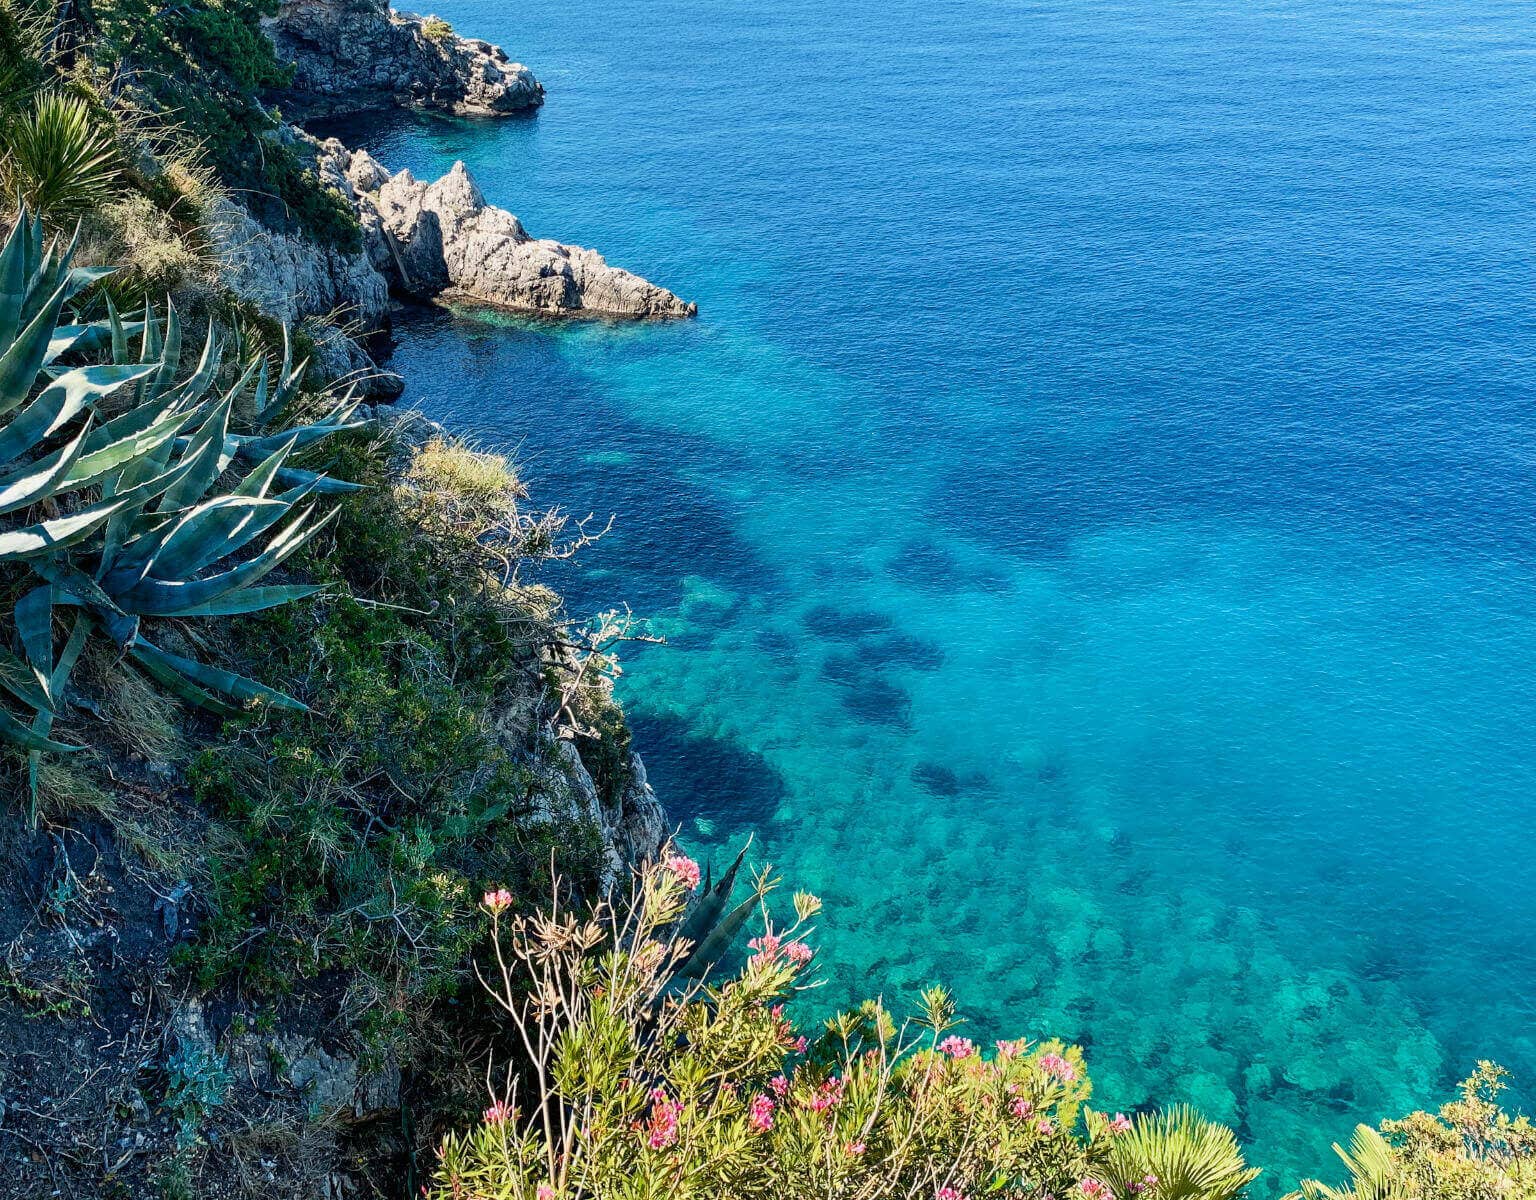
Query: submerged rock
[(353, 56)]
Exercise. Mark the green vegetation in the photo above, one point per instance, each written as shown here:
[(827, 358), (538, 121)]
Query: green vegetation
[(1471, 1150), (59, 157), (643, 1084), (360, 833), (435, 29), (206, 66), (112, 507)]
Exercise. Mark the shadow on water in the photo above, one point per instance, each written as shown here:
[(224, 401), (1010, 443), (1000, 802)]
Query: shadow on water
[(707, 778)]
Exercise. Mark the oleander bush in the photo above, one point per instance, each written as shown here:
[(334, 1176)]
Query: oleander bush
[(640, 1081)]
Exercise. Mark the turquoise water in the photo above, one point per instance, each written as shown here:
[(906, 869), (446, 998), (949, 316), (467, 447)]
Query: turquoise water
[(1091, 515)]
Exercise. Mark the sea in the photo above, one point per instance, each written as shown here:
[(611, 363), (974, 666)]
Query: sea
[(1091, 517)]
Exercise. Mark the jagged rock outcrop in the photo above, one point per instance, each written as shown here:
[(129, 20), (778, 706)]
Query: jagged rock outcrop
[(337, 295), (443, 238), (352, 56)]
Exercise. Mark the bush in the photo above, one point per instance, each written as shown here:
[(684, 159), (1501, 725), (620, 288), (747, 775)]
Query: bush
[(435, 29), (1471, 1150), (638, 1083)]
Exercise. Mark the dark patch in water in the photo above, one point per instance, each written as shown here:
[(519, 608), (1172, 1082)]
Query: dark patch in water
[(866, 693), (903, 650), (932, 567), (696, 775), (841, 625), (940, 780)]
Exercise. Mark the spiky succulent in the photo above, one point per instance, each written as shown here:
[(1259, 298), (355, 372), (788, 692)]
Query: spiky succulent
[(110, 488)]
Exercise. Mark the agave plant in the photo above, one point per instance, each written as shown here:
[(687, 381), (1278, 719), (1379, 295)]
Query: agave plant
[(1192, 1158), (110, 492), (59, 158), (711, 924)]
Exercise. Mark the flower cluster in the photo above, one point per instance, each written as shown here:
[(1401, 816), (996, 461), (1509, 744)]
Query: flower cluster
[(498, 900), (661, 1129), (684, 870), (695, 1089)]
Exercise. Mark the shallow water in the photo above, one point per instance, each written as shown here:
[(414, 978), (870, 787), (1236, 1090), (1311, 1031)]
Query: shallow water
[(1091, 515)]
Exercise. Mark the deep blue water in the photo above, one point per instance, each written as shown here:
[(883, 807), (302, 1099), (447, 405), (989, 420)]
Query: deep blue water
[(1091, 515)]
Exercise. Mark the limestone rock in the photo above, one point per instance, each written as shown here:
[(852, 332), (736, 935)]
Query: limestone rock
[(353, 56), (443, 238)]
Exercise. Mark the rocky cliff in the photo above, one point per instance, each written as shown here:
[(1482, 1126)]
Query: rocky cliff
[(358, 55), (422, 241)]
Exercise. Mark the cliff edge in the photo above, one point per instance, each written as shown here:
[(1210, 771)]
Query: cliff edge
[(362, 55)]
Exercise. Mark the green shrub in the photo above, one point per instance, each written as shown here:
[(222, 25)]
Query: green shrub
[(1471, 1150), (435, 29), (59, 157), (639, 1083)]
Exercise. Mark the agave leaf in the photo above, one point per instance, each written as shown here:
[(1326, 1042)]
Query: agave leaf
[(176, 683), (41, 479), (63, 400), (713, 901), (154, 597), (204, 454), (34, 624), (198, 383), (13, 280), (42, 724), (252, 599), (718, 940), (150, 347), (171, 354), (260, 478), (207, 533), (322, 485), (253, 449), (107, 454), (22, 361), (214, 678), (74, 586), (119, 334), (16, 677), (81, 278), (14, 731), (48, 536), (82, 339)]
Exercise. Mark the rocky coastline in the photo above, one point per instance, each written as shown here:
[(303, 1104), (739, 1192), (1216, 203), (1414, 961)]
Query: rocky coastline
[(421, 242)]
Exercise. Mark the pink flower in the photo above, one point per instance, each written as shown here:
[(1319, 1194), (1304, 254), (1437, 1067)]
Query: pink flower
[(1148, 1182), (545, 1192), (801, 1045), (684, 869), (1046, 1126), (1007, 1049), (497, 901), (854, 1149), (1120, 1124), (1058, 1068), (957, 1047), (828, 1095), (663, 1122), (780, 1085), (497, 1113), (767, 948), (1094, 1190), (1021, 1107), (760, 1115), (798, 953), (948, 1193)]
